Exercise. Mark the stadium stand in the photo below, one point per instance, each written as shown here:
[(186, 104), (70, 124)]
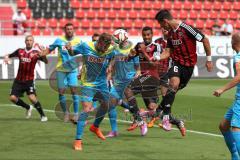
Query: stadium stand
[(96, 15)]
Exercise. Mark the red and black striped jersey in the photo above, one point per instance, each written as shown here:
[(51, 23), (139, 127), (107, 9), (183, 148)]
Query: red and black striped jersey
[(145, 65), (182, 42), (163, 64), (27, 62)]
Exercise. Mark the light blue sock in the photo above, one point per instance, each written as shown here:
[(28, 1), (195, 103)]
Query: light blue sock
[(100, 116), (81, 124), (75, 103), (229, 138), (62, 100), (113, 118)]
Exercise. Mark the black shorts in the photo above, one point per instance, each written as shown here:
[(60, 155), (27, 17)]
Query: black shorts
[(164, 79), (147, 86), (183, 72), (18, 88)]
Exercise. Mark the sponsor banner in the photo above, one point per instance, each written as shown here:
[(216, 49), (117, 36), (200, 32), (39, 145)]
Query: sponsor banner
[(222, 68)]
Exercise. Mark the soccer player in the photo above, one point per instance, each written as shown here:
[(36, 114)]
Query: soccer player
[(95, 37), (96, 58), (181, 47), (66, 78), (24, 82), (230, 125), (124, 71)]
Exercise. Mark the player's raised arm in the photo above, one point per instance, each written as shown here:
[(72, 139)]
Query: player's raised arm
[(207, 49), (8, 56)]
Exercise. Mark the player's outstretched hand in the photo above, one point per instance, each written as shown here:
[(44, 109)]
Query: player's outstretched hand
[(218, 92), (209, 66), (7, 60)]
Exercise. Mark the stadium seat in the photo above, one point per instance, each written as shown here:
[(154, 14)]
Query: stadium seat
[(167, 5), (183, 14), (157, 5), (85, 24), (134, 32), (236, 5), (75, 4), (122, 14), (217, 6), (138, 23), (69, 13), (53, 4), (95, 5), (63, 22), (209, 24), (90, 14), (32, 4), (190, 22), (199, 24), (143, 14), (106, 5), (106, 23), (79, 32), (101, 14), (137, 5), (76, 23), (207, 31), (117, 24), (147, 5), (227, 6), (22, 4), (192, 14), (203, 15), (58, 32), (127, 5), (64, 4), (35, 32), (116, 5), (85, 4), (237, 25), (31, 24), (132, 14), (213, 15), (43, 4), (37, 13), (89, 32), (207, 5), (174, 14), (42, 23), (46, 32), (127, 24), (112, 14), (223, 15), (27, 12), (151, 14), (187, 5), (177, 5), (149, 22), (96, 23), (80, 14), (59, 13), (233, 15), (48, 13), (197, 5), (52, 23)]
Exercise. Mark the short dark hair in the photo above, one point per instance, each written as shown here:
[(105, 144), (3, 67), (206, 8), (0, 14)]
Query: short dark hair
[(68, 24), (147, 28), (95, 35), (163, 14), (107, 38)]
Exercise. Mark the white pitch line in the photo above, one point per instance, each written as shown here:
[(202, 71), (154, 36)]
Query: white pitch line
[(124, 121)]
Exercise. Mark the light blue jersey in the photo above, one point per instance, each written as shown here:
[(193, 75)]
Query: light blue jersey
[(63, 55), (236, 64)]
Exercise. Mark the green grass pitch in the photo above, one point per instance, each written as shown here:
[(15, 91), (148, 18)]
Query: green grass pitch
[(32, 140)]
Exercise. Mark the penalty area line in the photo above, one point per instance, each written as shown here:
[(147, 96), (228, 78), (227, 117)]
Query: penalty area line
[(124, 121)]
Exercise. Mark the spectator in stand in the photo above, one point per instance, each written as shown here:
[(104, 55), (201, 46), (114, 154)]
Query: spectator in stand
[(19, 23), (226, 29), (216, 29)]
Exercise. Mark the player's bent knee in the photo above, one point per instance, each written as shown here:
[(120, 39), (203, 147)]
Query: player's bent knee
[(13, 98)]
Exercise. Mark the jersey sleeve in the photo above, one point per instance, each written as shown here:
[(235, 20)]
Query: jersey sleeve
[(55, 44), (136, 61), (79, 49), (14, 54), (193, 32)]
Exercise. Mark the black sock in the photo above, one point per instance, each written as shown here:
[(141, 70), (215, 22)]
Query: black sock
[(39, 108), (168, 101), (174, 120), (133, 108), (22, 104)]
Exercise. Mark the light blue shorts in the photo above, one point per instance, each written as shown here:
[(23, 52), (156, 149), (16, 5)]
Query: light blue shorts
[(66, 79), (117, 90), (233, 114)]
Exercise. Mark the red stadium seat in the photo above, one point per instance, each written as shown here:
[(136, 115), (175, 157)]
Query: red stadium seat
[(106, 23), (58, 32), (167, 5), (79, 32), (209, 24), (197, 5), (236, 5), (106, 5), (227, 5), (63, 22), (132, 14), (187, 5), (217, 6), (85, 23), (42, 23), (223, 15), (134, 32), (127, 5), (174, 14), (31, 24), (96, 4), (138, 23), (27, 12), (80, 14), (207, 5), (156, 25), (177, 5), (35, 32), (46, 32), (149, 23), (112, 14), (21, 4), (122, 14), (76, 23), (237, 25), (85, 4), (89, 32), (52, 23), (233, 15), (143, 14), (75, 4), (193, 14), (90, 14), (157, 5), (157, 32), (137, 5), (117, 24), (190, 22), (207, 31), (96, 23), (127, 24), (101, 14), (147, 5), (203, 15), (116, 5), (183, 14), (213, 15), (199, 24)]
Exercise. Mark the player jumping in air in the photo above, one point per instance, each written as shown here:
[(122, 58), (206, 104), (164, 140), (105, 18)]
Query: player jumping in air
[(230, 125), (181, 47), (24, 82)]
